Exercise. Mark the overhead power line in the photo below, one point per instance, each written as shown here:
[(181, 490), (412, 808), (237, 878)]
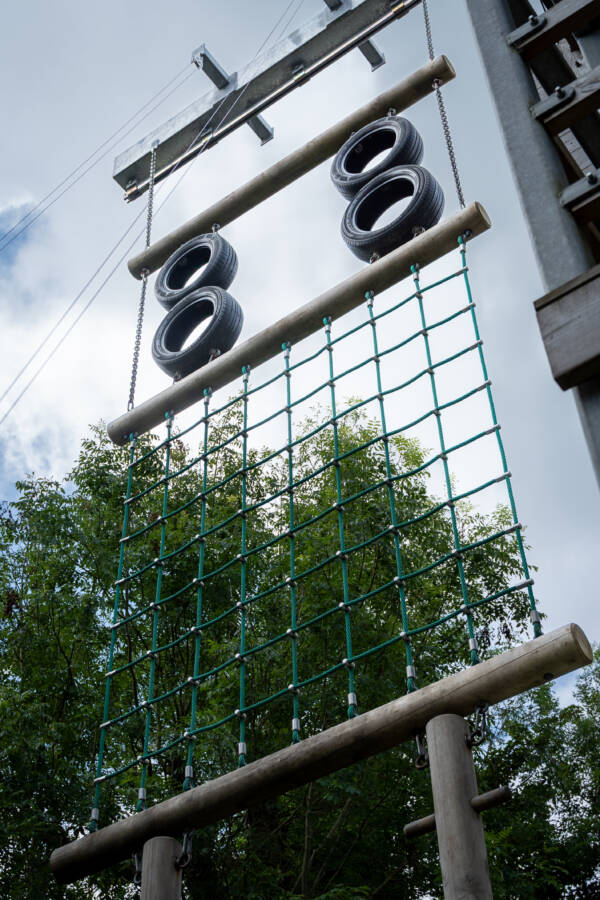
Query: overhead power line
[(108, 145), (174, 168)]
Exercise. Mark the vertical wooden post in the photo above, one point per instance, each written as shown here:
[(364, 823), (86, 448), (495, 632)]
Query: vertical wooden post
[(161, 880), (463, 855)]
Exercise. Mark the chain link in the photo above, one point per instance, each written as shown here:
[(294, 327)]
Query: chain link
[(140, 317), (443, 114)]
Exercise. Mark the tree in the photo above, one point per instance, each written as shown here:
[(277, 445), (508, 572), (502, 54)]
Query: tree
[(340, 837)]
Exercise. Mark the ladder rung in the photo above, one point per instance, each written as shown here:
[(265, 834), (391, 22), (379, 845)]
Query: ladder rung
[(543, 30)]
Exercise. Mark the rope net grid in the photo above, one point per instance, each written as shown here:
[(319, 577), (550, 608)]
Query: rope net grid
[(259, 589)]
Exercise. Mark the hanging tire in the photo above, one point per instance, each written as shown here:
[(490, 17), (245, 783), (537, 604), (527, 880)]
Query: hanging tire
[(220, 334), (392, 133), (175, 280), (424, 210)]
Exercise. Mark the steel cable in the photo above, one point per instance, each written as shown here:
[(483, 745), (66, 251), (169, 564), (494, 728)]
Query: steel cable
[(119, 242)]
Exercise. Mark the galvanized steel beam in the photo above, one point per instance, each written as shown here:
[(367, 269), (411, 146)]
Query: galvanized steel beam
[(507, 675), (290, 63), (305, 320), (404, 94)]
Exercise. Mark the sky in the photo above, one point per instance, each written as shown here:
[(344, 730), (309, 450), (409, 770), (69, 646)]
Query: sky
[(73, 73)]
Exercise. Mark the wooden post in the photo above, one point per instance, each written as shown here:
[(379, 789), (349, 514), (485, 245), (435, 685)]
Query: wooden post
[(463, 855), (161, 879)]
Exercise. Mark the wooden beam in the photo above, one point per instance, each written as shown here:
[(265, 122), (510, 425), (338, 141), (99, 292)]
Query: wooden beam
[(305, 320), (496, 679), (293, 166)]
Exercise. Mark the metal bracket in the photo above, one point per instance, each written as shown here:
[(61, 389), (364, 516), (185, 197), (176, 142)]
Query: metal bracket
[(558, 98), (541, 31), (582, 192), (534, 23), (369, 50), (203, 59), (572, 105)]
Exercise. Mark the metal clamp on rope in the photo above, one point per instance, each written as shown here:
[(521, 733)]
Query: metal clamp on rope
[(186, 852)]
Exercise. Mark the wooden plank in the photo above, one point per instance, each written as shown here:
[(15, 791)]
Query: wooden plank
[(569, 321)]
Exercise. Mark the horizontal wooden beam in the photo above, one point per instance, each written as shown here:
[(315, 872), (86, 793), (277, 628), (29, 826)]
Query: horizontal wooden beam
[(293, 166), (305, 320), (506, 675)]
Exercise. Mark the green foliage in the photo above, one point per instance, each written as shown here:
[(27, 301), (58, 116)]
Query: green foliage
[(340, 837)]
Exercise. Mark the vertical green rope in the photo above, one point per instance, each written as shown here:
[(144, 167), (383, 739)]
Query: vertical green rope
[(141, 804), (93, 825), (242, 558), (341, 553), (292, 577), (189, 763), (411, 683), (533, 613), (473, 649)]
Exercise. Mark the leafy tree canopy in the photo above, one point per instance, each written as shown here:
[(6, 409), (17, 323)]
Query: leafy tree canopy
[(340, 837)]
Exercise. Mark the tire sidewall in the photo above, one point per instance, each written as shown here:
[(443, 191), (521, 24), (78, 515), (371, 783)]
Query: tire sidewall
[(423, 210), (220, 334), (219, 271), (407, 149)]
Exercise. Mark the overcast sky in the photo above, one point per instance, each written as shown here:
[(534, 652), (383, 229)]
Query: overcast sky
[(74, 72)]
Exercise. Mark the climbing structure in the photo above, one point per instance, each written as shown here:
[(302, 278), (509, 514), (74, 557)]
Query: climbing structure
[(231, 558), (313, 543)]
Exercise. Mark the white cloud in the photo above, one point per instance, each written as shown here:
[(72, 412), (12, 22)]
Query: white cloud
[(289, 249)]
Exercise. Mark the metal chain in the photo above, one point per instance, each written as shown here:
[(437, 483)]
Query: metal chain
[(443, 115), (140, 317)]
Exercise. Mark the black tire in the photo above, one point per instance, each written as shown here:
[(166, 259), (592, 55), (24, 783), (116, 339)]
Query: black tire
[(424, 210), (220, 334), (221, 265), (392, 133)]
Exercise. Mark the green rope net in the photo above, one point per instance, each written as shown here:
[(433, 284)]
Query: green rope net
[(238, 562)]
